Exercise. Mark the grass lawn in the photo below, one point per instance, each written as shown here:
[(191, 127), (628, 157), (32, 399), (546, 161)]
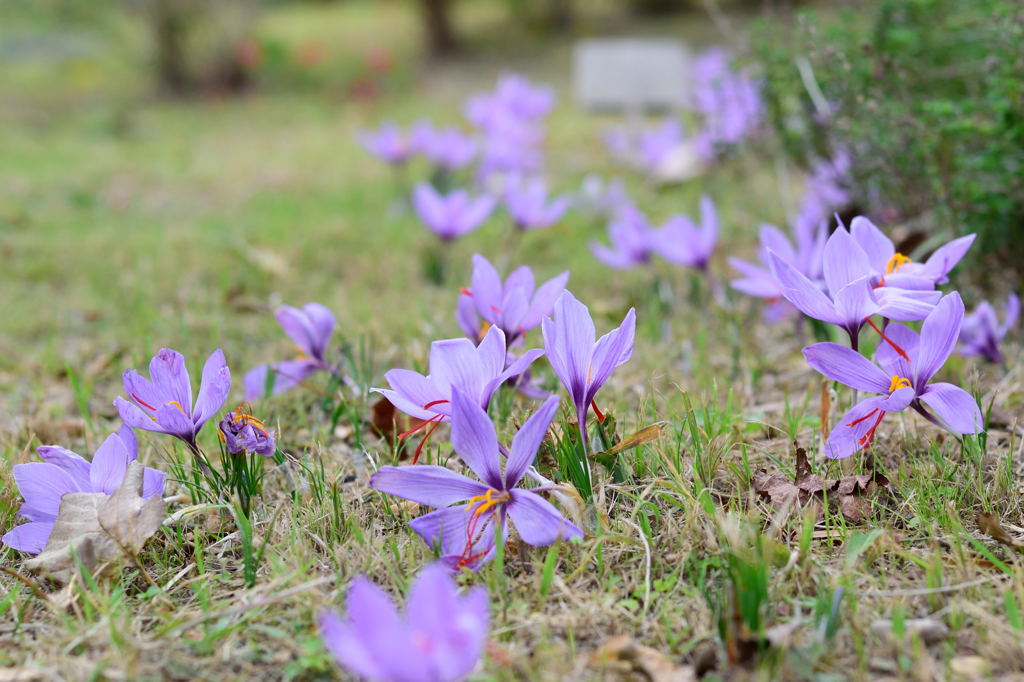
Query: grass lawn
[(128, 224)]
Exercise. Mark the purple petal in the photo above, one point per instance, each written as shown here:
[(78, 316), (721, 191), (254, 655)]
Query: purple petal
[(847, 366), (527, 441), (955, 407), (108, 465), (29, 537), (322, 322), (174, 422), (152, 482), (72, 463), (855, 303), (411, 391), (466, 316), (141, 390), (486, 287), (1011, 313), (169, 376), (851, 433), (491, 359), (905, 305), (214, 389), (475, 440), (889, 359), (132, 415), (455, 363), (520, 365), (537, 520), (448, 528), (611, 350), (574, 340), (876, 245), (802, 293), (434, 486), (946, 257), (296, 325), (844, 261), (543, 302), (42, 485), (938, 337)]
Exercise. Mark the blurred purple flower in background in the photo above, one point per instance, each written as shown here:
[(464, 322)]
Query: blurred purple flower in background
[(903, 379), (43, 484), (528, 203), (163, 403), (728, 100), (683, 242), (451, 216), (514, 306), (388, 143), (310, 327), (601, 198), (446, 148), (466, 530), (981, 332), (633, 241), (439, 638), (511, 120)]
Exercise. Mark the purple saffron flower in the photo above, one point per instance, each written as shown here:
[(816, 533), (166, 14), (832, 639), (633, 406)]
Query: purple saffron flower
[(981, 332), (446, 148), (240, 431), (310, 327), (903, 378), (580, 364), (513, 97), (43, 484), (439, 638), (163, 403), (601, 198), (851, 300), (388, 143), (682, 242), (475, 370), (728, 100), (451, 216), (514, 306), (805, 254), (527, 202), (466, 531), (890, 268), (633, 241)]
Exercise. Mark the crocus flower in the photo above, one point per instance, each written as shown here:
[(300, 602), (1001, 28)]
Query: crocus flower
[(388, 143), (851, 300), (894, 269), (439, 638), (514, 96), (902, 377), (310, 327), (240, 431), (602, 198), (451, 216), (582, 365), (43, 484), (514, 306), (728, 100), (633, 241), (981, 332), (163, 403), (447, 148), (804, 254), (527, 202), (682, 242), (469, 512), (475, 370)]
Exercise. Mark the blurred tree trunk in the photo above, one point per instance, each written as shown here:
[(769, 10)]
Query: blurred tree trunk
[(437, 23), (170, 29)]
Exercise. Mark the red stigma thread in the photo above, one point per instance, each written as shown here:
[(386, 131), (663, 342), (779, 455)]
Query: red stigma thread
[(599, 413), (865, 440), (902, 353), (465, 292), (434, 422), (142, 402)]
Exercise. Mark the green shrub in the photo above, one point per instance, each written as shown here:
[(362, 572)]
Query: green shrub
[(927, 95)]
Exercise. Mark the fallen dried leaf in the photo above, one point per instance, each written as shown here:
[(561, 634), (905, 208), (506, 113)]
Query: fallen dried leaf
[(623, 652), (990, 526), (850, 494), (99, 530), (645, 435)]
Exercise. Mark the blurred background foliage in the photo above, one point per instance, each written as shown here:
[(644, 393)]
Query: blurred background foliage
[(927, 96)]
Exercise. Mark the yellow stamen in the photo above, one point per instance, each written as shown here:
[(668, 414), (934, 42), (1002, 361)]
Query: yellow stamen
[(178, 405), (898, 382), (489, 499), (484, 328), (895, 262), (300, 354)]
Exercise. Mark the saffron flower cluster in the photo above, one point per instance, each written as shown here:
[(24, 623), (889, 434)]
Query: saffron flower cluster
[(901, 376), (43, 484), (439, 638), (982, 333), (310, 328), (680, 241), (728, 101), (470, 513), (511, 120)]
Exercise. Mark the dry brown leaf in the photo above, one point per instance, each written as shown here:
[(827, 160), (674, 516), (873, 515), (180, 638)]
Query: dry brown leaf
[(644, 435), (624, 653), (100, 530), (990, 526), (850, 494)]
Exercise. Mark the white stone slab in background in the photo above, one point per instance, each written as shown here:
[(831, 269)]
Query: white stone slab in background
[(630, 74)]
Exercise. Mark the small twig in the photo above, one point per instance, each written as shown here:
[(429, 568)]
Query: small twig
[(28, 582), (923, 591)]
